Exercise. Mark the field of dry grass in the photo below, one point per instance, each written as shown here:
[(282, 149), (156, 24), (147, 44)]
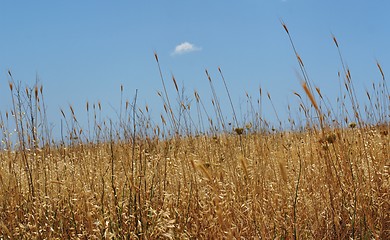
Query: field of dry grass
[(273, 186), (133, 179)]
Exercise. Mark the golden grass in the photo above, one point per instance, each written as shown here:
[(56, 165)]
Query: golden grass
[(140, 180), (179, 189)]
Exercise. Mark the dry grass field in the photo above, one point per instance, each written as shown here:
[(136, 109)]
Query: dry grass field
[(133, 179)]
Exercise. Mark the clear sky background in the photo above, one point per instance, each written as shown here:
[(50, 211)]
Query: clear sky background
[(84, 50)]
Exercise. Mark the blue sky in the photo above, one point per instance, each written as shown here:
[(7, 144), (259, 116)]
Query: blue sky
[(84, 50)]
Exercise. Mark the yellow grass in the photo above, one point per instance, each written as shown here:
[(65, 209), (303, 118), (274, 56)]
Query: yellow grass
[(327, 179), (222, 195)]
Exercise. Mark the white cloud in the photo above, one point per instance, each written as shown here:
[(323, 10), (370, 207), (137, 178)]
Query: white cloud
[(185, 47)]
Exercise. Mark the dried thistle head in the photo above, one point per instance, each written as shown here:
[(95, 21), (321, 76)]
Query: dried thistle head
[(331, 138), (352, 124), (384, 132), (239, 131)]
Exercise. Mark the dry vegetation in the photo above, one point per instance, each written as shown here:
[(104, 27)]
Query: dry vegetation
[(139, 180)]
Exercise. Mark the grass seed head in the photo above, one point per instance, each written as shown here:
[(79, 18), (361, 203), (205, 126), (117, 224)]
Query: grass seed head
[(335, 41), (285, 27), (311, 97)]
